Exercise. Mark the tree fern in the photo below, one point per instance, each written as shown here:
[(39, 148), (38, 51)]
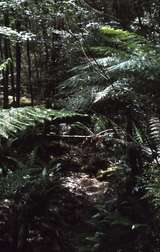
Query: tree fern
[(129, 57)]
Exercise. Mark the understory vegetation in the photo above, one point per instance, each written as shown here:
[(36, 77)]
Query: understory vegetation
[(79, 126)]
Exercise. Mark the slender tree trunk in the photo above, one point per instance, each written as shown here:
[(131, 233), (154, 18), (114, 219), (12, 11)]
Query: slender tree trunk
[(37, 77), (45, 36), (30, 72), (47, 89), (12, 74), (6, 72), (1, 48), (1, 76), (18, 67), (5, 89)]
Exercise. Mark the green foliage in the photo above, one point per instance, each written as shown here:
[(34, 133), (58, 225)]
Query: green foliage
[(124, 40), (154, 132), (100, 123), (10, 183), (5, 65), (130, 59), (106, 51), (13, 35), (30, 173), (138, 135), (119, 90), (11, 4), (151, 181), (151, 177), (16, 121)]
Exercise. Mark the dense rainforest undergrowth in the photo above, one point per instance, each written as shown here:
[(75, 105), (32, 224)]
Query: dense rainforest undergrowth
[(79, 126)]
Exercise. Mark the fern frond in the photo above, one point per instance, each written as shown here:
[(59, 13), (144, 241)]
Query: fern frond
[(105, 62), (114, 91), (17, 120), (129, 57), (154, 130), (137, 134), (124, 40)]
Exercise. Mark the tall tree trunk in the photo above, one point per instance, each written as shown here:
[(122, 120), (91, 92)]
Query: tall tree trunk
[(30, 72), (5, 89), (1, 48), (1, 76), (18, 66), (37, 78), (45, 36), (47, 89), (12, 74), (6, 72)]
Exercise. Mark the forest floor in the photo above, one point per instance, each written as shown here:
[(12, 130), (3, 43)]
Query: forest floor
[(80, 200), (94, 193), (80, 205)]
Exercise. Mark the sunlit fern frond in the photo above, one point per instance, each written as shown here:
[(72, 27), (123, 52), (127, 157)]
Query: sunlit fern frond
[(15, 121), (116, 91), (130, 58)]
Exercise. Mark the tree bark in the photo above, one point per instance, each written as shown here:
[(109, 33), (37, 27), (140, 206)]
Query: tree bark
[(6, 71), (12, 74), (30, 72), (18, 66)]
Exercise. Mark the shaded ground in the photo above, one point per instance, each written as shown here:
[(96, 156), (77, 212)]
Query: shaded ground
[(94, 192), (79, 205), (64, 222)]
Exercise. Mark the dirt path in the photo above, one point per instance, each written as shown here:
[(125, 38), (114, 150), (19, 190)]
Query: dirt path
[(96, 194), (83, 184)]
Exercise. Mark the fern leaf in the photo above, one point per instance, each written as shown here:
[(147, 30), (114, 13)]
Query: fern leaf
[(114, 91), (17, 120), (154, 130), (129, 56)]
